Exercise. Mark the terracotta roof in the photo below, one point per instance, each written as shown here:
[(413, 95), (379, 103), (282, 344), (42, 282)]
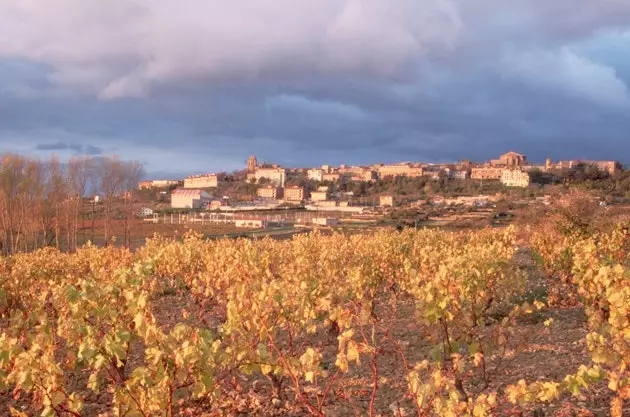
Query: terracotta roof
[(183, 192)]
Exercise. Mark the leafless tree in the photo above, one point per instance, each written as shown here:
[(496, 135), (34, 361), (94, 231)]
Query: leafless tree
[(133, 174), (80, 173), (41, 202)]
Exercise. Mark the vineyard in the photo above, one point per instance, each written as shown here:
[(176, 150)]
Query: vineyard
[(426, 323)]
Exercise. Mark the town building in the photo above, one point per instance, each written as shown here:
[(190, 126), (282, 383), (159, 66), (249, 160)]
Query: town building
[(399, 170), (432, 171), (386, 201), (352, 170), (277, 176), (294, 193), (269, 191), (145, 212), (510, 160), (608, 166), (315, 174), (187, 198), (530, 168), (456, 174), (147, 185), (365, 175), (250, 223), (216, 204), (325, 221), (252, 163), (515, 178), (331, 176), (319, 195), (201, 181), (327, 203), (476, 201), (486, 173)]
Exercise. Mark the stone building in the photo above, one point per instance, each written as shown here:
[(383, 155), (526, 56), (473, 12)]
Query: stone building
[(510, 160), (608, 166), (486, 173), (146, 185), (252, 163), (515, 178), (458, 174), (201, 181), (399, 170)]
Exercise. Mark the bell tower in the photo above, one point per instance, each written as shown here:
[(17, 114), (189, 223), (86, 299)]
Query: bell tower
[(252, 163)]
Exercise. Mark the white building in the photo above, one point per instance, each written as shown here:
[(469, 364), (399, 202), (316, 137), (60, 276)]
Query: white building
[(182, 198), (315, 174), (250, 223), (319, 195), (145, 212), (458, 174), (386, 201), (326, 221), (277, 176)]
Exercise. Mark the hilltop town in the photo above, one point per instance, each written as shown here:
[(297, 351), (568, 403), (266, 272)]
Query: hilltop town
[(272, 185)]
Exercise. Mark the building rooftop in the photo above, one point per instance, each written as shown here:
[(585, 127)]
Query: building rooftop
[(201, 176), (187, 192)]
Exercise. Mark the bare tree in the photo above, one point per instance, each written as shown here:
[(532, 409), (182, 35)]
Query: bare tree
[(133, 174), (79, 176), (113, 186), (40, 203), (20, 202), (56, 194)]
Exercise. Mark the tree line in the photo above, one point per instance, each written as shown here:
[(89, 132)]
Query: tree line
[(43, 202)]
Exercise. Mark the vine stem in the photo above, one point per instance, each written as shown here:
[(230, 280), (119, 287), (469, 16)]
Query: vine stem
[(313, 409)]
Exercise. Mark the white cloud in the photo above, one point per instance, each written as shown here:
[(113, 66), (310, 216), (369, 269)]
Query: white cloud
[(564, 71), (123, 48)]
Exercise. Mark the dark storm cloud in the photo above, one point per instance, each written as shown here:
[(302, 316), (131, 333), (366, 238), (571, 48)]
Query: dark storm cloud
[(58, 146), (63, 146), (201, 85), (93, 150)]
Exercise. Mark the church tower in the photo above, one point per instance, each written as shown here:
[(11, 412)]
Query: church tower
[(252, 163)]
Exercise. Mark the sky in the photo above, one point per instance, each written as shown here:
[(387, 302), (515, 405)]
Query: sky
[(198, 85)]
